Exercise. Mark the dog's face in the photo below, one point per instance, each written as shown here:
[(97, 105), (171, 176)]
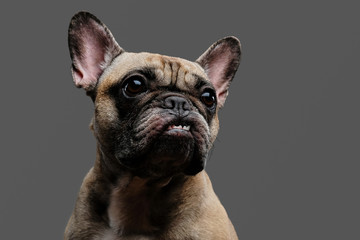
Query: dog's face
[(154, 115)]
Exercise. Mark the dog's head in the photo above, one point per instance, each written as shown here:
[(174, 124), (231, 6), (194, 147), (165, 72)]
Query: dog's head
[(154, 115)]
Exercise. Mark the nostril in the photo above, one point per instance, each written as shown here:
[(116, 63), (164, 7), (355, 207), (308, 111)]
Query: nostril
[(186, 105), (170, 103)]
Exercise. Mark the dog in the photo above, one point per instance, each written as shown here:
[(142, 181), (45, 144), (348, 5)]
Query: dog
[(155, 121)]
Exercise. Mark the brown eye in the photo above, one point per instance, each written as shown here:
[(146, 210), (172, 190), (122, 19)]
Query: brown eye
[(208, 97), (134, 86)]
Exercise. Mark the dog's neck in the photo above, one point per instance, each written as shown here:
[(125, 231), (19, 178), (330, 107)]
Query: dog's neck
[(143, 205)]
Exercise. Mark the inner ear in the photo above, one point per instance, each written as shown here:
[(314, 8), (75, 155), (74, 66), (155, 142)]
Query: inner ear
[(220, 62), (92, 48)]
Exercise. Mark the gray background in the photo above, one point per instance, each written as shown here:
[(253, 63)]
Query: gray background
[(286, 162)]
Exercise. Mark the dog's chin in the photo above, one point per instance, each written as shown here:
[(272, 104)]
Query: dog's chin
[(174, 147), (169, 154)]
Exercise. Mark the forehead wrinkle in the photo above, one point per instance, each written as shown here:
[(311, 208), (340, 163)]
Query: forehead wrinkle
[(181, 74), (200, 81), (189, 80), (167, 74), (175, 67), (168, 71)]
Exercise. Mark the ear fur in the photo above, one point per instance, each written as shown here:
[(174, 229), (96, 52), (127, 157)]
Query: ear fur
[(220, 62), (92, 48)]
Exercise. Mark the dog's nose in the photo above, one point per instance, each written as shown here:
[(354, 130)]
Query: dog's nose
[(179, 105)]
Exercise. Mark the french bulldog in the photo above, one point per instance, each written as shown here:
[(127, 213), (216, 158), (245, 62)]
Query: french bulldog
[(155, 121)]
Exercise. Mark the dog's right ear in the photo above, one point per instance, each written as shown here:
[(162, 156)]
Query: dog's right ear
[(92, 48)]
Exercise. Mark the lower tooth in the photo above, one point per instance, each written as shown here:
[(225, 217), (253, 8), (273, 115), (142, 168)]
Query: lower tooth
[(179, 127)]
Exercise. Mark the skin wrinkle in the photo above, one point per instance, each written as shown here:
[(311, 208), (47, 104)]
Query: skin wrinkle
[(158, 115), (167, 74), (148, 113), (155, 127), (174, 73), (187, 78), (147, 124)]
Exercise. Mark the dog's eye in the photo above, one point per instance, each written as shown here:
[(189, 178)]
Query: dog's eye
[(134, 86), (208, 97)]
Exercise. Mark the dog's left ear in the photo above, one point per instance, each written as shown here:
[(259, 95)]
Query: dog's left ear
[(220, 63)]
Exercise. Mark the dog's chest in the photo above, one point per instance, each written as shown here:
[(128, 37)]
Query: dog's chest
[(129, 212), (122, 220), (110, 235)]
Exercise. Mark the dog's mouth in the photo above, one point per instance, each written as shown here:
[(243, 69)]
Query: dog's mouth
[(166, 144), (179, 128), (167, 151)]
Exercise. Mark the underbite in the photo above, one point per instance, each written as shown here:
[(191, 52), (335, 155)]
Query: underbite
[(180, 127)]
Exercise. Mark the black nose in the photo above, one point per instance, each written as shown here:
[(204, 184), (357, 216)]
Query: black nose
[(179, 105)]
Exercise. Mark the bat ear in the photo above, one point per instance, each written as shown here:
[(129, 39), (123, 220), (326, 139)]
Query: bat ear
[(220, 62), (92, 48)]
